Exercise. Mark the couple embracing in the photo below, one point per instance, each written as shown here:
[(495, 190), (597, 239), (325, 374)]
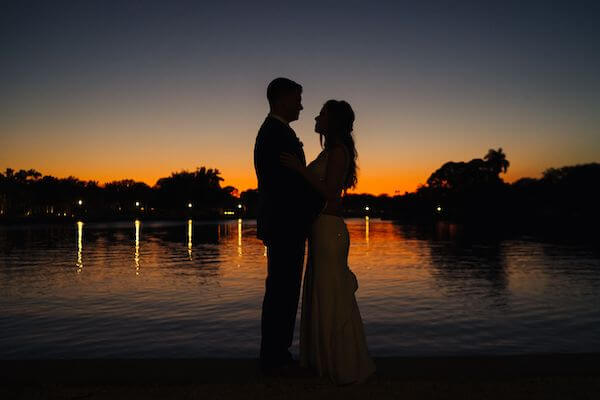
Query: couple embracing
[(299, 202)]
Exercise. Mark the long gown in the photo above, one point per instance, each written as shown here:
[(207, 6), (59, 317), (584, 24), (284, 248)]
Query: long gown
[(332, 338)]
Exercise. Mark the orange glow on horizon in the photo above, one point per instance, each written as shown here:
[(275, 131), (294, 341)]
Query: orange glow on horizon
[(383, 183), (375, 182), (395, 155)]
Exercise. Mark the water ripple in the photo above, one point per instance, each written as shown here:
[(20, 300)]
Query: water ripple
[(171, 295)]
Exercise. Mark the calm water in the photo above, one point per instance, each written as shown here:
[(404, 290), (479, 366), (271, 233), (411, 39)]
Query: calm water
[(177, 290)]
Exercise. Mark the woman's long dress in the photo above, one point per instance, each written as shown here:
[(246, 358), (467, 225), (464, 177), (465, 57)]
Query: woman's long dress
[(332, 338)]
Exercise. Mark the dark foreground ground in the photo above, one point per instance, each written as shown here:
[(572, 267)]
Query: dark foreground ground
[(510, 377)]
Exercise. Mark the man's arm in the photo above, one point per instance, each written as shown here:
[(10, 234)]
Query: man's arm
[(331, 187)]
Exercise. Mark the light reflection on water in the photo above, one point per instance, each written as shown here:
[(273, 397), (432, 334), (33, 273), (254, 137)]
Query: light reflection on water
[(137, 247), (79, 246), (194, 289), (190, 224)]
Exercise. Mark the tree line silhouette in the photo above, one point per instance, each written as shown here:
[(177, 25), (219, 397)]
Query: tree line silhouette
[(474, 193), (27, 193), (470, 192)]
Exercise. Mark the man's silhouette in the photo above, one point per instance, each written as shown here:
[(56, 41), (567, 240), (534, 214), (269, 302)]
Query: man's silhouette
[(287, 206)]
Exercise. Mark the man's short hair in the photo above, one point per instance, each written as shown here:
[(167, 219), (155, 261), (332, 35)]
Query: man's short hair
[(280, 87)]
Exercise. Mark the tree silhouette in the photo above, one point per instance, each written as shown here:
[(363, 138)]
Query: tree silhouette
[(201, 188), (466, 190), (497, 161), (477, 173), (28, 192)]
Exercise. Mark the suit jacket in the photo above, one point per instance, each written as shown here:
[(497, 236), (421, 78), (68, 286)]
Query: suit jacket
[(287, 204)]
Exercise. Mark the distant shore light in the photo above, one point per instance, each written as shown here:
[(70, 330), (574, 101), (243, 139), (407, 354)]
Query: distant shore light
[(367, 208), (438, 208), (80, 202), (189, 205), (137, 203), (239, 206)]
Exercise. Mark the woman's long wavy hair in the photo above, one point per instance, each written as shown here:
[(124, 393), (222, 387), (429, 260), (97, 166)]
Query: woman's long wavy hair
[(340, 118)]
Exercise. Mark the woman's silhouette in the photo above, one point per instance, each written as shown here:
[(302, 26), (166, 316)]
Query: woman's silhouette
[(332, 339)]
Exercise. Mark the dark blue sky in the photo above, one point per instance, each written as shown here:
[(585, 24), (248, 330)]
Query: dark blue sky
[(183, 83)]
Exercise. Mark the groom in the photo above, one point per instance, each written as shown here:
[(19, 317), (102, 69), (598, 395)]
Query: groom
[(287, 206)]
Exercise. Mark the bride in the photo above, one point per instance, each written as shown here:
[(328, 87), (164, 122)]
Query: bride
[(332, 339)]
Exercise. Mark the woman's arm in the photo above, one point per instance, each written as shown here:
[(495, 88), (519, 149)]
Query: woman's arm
[(331, 187)]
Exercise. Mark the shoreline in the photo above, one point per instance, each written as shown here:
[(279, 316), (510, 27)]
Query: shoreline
[(545, 376), (227, 370)]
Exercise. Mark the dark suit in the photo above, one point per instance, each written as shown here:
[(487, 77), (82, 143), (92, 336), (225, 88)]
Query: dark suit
[(287, 207)]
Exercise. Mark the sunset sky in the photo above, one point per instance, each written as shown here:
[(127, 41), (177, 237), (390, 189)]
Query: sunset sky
[(139, 89)]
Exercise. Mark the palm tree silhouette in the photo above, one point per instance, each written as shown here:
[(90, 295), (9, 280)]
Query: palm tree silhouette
[(496, 159)]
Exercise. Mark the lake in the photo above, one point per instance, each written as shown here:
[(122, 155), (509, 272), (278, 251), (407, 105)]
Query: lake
[(183, 289)]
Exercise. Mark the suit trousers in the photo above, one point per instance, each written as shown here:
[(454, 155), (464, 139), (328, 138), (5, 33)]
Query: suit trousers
[(285, 261)]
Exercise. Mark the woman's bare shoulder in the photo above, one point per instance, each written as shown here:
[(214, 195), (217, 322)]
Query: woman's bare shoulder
[(339, 152)]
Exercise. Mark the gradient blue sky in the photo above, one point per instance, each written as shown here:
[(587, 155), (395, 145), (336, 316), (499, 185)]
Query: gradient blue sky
[(138, 89)]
